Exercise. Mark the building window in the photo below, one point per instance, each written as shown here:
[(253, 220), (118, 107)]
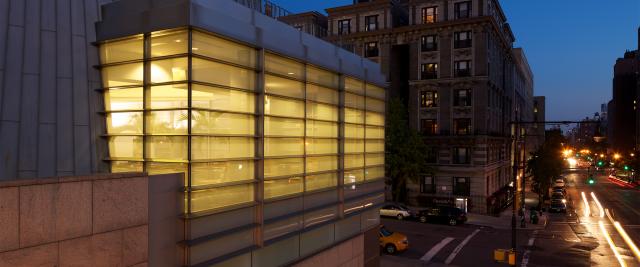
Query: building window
[(462, 126), (462, 68), (429, 71), (432, 155), (462, 10), (429, 126), (462, 39), (429, 43), (428, 99), (371, 49), (462, 98), (429, 15), (371, 23), (462, 186), (428, 184), (344, 26), (461, 155)]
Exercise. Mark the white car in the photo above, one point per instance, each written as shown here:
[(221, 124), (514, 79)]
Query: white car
[(393, 210)]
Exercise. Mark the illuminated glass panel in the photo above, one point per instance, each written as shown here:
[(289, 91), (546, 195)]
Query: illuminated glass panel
[(375, 104), (222, 74), (375, 119), (375, 132), (202, 200), (283, 167), (215, 47), (276, 126), (322, 112), (209, 173), (322, 94), (353, 161), (170, 148), (126, 166), (353, 176), (124, 123), (375, 91), (353, 85), (354, 101), (283, 107), (322, 129), (353, 146), (168, 96), (282, 187), (123, 99), (169, 70), (220, 123), (375, 145), (374, 173), (353, 116), (125, 147), (222, 99), (283, 147), (154, 168), (207, 148), (353, 131), (122, 50), (321, 146), (284, 66), (167, 122), (320, 181), (168, 43), (280, 86), (324, 163), (375, 159), (323, 77), (122, 75)]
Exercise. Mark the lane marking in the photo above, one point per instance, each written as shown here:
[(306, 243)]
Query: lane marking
[(611, 244), (525, 257), (628, 240), (587, 210), (435, 249), (460, 246)]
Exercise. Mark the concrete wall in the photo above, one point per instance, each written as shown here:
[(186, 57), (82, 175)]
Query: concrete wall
[(103, 220), (362, 250), (48, 105)]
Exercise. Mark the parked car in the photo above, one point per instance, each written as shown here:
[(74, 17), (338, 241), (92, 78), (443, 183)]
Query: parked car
[(395, 210), (392, 242), (449, 215), (558, 206), (557, 196), (558, 189)]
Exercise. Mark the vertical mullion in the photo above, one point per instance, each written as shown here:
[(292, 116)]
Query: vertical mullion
[(259, 147), (189, 116), (146, 80), (341, 141)]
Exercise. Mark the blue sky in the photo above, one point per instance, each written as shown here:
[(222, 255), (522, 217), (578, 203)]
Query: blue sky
[(571, 46)]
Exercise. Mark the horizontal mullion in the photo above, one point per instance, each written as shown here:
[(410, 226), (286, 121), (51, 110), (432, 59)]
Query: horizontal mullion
[(222, 86), (219, 185), (322, 85), (283, 76), (203, 57), (223, 159), (123, 159), (284, 96), (224, 111)]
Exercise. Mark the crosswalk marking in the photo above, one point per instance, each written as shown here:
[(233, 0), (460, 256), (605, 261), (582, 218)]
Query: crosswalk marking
[(435, 249), (460, 246), (525, 257)]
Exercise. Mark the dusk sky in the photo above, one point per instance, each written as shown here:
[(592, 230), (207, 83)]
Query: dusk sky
[(571, 46)]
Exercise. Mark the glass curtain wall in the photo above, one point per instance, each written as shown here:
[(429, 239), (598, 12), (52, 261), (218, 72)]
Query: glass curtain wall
[(174, 109)]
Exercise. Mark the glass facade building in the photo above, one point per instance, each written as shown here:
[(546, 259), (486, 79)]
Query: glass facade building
[(282, 158)]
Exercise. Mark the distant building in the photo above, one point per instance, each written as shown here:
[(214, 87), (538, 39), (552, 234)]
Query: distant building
[(454, 65), (539, 115), (623, 113)]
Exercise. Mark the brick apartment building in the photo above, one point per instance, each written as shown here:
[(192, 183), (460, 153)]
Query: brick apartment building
[(454, 65)]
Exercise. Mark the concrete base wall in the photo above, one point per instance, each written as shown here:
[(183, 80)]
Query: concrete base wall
[(361, 250), (101, 220)]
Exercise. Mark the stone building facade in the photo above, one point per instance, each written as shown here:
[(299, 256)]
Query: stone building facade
[(454, 65)]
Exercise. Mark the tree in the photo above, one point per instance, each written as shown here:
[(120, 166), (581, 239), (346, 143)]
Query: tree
[(546, 163), (406, 150)]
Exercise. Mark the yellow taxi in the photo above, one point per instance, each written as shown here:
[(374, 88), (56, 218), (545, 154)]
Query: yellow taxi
[(392, 242)]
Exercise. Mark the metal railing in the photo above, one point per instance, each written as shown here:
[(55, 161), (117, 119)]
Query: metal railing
[(265, 7)]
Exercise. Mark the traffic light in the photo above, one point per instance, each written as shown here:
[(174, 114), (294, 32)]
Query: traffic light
[(591, 180), (626, 167), (600, 163)]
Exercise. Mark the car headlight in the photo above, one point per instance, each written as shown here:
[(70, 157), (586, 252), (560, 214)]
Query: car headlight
[(564, 201)]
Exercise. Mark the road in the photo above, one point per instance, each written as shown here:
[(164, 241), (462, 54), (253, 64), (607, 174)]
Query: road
[(572, 239)]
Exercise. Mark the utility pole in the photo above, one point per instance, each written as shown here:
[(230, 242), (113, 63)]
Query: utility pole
[(516, 156)]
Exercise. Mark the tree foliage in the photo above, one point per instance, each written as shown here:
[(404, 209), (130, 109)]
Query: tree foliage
[(546, 163), (406, 151)]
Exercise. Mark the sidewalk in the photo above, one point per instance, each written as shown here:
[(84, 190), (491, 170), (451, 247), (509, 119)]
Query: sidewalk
[(504, 220), (395, 261)]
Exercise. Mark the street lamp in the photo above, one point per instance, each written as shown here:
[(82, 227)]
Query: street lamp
[(616, 156)]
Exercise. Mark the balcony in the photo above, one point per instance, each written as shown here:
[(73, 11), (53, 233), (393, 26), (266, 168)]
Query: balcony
[(429, 47)]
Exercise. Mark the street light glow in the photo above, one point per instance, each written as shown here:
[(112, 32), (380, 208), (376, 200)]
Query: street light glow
[(616, 156), (572, 162)]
